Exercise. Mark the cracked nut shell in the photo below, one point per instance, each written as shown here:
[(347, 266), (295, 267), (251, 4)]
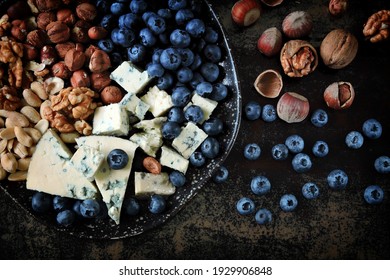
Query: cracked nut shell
[(339, 95)]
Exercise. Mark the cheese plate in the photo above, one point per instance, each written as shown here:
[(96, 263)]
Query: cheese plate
[(228, 110)]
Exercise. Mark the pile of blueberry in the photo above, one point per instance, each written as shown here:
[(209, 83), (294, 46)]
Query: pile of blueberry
[(301, 162)]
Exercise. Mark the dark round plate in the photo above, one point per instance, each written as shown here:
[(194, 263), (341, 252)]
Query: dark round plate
[(228, 110)]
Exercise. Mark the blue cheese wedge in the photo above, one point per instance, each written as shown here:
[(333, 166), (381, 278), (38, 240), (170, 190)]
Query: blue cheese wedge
[(174, 160), (110, 120), (128, 76), (134, 106), (112, 184), (189, 139), (50, 170), (207, 105), (159, 101), (146, 184), (87, 160)]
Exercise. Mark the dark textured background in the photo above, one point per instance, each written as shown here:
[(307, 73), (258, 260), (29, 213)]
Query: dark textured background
[(337, 225)]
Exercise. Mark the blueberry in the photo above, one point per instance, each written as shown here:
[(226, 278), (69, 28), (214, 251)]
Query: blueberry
[(156, 55), (129, 21), (373, 194), (220, 175), (196, 80), (245, 206), (170, 59), (164, 38), (219, 92), (165, 82), (354, 140), (288, 202), (131, 206), (103, 6), (183, 16), (41, 202), (310, 190), (184, 75), (382, 164), (209, 71), (177, 178), (89, 208), (198, 45), (213, 126), (123, 37), (180, 38), (252, 151), (252, 110), (210, 35), (157, 204), (176, 114), (66, 218), (212, 52), (61, 203), (295, 143), (337, 179), (170, 130), (268, 113), (194, 113), (109, 22), (181, 96), (320, 148), (260, 185), (118, 8), (177, 4), (156, 24), (204, 89), (197, 62), (147, 38), (372, 129), (197, 159), (76, 207), (301, 163), (138, 6), (319, 118), (196, 28), (106, 45), (155, 69), (187, 56), (210, 147), (136, 53), (146, 15), (117, 159), (279, 151), (165, 13), (263, 216)]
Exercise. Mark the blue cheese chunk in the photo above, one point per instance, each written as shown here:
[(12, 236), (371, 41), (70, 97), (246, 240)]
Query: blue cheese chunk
[(50, 170), (146, 184), (110, 120), (174, 160), (134, 106), (87, 160), (207, 105), (189, 139), (128, 76), (159, 101)]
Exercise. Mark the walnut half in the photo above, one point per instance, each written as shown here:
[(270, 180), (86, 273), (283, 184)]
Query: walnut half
[(377, 27)]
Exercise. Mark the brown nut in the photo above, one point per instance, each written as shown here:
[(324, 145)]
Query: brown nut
[(58, 32), (80, 78), (339, 95), (377, 27), (97, 32), (48, 55), (19, 29), (152, 165), (269, 83), (99, 62), (337, 7), (44, 18), (111, 94), (292, 107), (61, 71), (100, 80), (30, 52), (37, 38), (47, 5), (18, 10), (74, 59), (79, 32), (63, 48), (297, 24), (338, 48), (298, 58), (86, 11), (66, 16), (270, 42)]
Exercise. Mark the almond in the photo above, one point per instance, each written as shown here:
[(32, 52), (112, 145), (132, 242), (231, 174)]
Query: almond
[(23, 137)]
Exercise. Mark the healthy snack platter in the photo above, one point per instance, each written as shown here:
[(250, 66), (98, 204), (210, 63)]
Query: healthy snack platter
[(115, 114)]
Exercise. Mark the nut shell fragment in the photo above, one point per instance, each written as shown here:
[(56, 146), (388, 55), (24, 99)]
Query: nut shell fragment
[(339, 95), (269, 83)]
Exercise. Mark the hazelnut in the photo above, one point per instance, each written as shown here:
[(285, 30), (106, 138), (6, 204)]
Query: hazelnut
[(18, 10), (270, 42), (80, 78), (61, 71), (111, 94), (100, 80), (79, 31), (339, 95), (292, 107), (29, 52), (19, 29), (66, 16), (246, 12), (99, 62), (74, 59), (337, 7), (44, 18), (37, 38), (58, 32), (97, 32), (48, 55), (47, 5), (86, 11), (63, 48), (297, 24)]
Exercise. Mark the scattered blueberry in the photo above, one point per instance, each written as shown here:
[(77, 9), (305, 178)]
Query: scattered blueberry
[(117, 159), (194, 113), (337, 179), (373, 194), (129, 21), (165, 13), (41, 202), (184, 75), (155, 69), (320, 148), (220, 175), (260, 185), (157, 204), (187, 57), (61, 203), (252, 151), (354, 140), (295, 143), (170, 130), (182, 16), (89, 208), (301, 162), (197, 62), (212, 52), (245, 206), (165, 82), (122, 37), (269, 113), (288, 202), (106, 45), (131, 206), (181, 96), (177, 4), (156, 23), (76, 207), (136, 53), (117, 8), (180, 38), (138, 6), (196, 80), (382, 164), (176, 114), (197, 159), (213, 126), (210, 147), (219, 92), (147, 37), (66, 218), (210, 35), (196, 28), (263, 216), (177, 178), (319, 118), (108, 21), (279, 151), (170, 59), (209, 71), (204, 89), (372, 129), (252, 110), (310, 190)]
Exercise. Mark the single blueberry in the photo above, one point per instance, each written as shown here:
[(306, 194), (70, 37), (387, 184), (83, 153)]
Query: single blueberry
[(129, 21), (136, 53), (156, 55), (122, 37), (219, 92), (260, 185), (197, 62), (41, 202), (176, 114), (155, 69), (196, 28), (157, 204), (197, 159), (252, 110), (252, 151), (180, 38), (184, 75), (268, 113), (145, 16), (187, 56), (147, 38), (279, 151), (337, 179), (66, 218), (320, 148), (319, 118), (204, 89), (165, 82), (196, 80), (118, 8), (382, 164), (212, 52), (109, 22), (117, 159), (170, 130), (138, 6), (61, 203), (373, 194), (301, 163), (310, 190), (372, 129), (210, 147), (176, 5), (131, 206), (194, 113), (181, 96), (106, 45), (263, 216), (288, 202), (165, 13), (245, 206), (220, 175), (182, 16), (170, 59), (177, 178), (295, 143), (76, 207), (157, 24), (213, 126), (210, 35), (354, 140), (209, 71), (89, 208)]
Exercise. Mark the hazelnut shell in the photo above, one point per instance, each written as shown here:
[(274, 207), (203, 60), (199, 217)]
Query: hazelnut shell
[(339, 95), (269, 83)]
